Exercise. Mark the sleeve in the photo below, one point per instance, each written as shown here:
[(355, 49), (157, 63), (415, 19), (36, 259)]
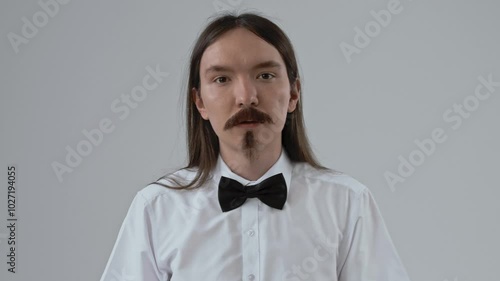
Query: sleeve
[(132, 257), (367, 253)]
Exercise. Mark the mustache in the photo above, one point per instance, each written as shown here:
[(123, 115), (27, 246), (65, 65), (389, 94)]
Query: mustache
[(248, 113)]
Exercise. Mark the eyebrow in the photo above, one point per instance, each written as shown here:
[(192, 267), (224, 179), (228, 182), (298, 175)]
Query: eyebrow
[(265, 64)]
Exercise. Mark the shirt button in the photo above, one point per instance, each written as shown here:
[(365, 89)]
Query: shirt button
[(251, 232), (251, 277)]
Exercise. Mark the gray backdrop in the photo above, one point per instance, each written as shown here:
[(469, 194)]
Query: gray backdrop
[(402, 95)]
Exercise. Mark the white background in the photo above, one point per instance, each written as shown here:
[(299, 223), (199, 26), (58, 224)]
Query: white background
[(360, 115)]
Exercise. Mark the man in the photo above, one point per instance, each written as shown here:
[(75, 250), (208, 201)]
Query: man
[(253, 203)]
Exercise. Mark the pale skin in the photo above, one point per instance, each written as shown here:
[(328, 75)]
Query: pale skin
[(243, 81)]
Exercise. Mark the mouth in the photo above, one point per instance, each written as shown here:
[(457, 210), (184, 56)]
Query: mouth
[(248, 124)]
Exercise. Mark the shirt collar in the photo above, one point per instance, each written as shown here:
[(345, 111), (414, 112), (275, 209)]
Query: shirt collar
[(283, 165)]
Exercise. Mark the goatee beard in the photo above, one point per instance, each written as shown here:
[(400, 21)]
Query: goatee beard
[(250, 146)]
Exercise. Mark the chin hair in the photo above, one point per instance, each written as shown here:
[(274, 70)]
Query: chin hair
[(250, 145)]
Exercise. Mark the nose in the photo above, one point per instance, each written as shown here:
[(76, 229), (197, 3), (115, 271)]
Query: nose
[(246, 93)]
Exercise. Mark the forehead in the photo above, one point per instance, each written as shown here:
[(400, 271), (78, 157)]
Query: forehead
[(239, 49)]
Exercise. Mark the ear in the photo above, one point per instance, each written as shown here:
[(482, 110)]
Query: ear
[(294, 95), (196, 96)]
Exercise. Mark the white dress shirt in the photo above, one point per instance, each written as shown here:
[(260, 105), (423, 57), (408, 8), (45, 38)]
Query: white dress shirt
[(330, 229)]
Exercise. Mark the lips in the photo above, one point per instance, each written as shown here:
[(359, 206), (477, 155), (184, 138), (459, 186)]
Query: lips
[(249, 124)]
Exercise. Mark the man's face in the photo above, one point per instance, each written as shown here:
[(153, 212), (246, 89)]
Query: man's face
[(242, 77)]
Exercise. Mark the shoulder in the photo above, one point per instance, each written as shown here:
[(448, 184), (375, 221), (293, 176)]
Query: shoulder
[(328, 178), (159, 189)]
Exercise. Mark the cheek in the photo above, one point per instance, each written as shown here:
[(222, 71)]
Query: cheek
[(214, 103), (217, 119), (217, 114), (279, 118), (280, 109)]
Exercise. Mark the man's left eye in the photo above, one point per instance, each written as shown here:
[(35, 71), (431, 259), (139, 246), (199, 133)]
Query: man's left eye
[(220, 80), (267, 76)]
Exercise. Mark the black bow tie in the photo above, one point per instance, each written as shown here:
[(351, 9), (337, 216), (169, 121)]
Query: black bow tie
[(271, 191)]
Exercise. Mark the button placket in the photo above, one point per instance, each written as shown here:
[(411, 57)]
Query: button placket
[(250, 241)]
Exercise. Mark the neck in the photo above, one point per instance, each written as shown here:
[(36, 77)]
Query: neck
[(251, 168)]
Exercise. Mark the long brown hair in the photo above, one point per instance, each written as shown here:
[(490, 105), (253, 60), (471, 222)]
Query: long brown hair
[(202, 142)]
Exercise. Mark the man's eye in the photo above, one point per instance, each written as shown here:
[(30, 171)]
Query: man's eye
[(221, 79), (267, 76)]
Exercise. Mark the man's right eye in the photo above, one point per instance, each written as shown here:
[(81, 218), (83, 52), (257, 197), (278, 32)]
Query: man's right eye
[(220, 80)]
